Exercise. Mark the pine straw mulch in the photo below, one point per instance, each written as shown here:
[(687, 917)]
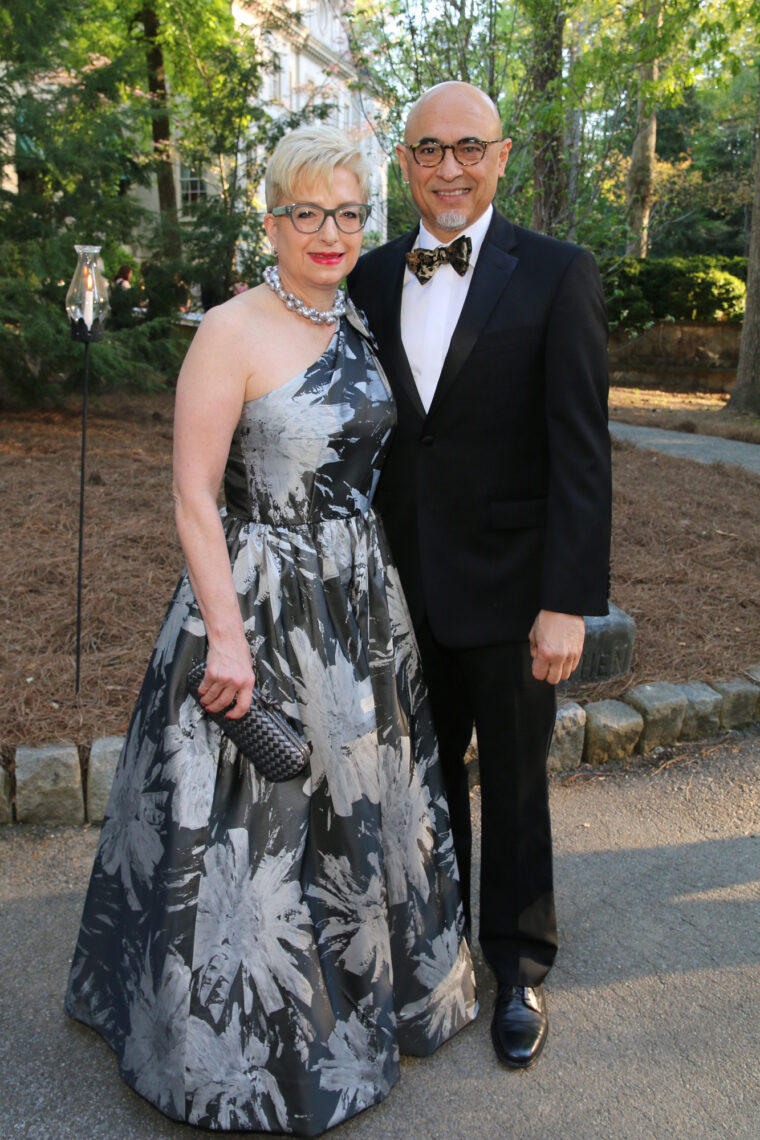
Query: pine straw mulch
[(131, 561), (686, 566), (702, 412)]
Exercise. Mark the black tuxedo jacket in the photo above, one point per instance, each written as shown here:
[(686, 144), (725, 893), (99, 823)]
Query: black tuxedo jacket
[(497, 501)]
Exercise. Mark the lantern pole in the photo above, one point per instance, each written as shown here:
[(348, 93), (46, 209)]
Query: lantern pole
[(87, 305), (81, 514)]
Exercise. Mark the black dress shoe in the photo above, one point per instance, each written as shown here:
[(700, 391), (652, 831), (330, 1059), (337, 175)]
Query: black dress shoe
[(520, 1025)]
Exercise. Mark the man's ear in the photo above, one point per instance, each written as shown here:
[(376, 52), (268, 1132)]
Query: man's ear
[(506, 147)]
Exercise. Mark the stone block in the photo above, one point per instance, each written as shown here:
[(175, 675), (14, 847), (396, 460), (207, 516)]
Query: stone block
[(740, 699), (49, 784), (607, 648), (663, 707), (753, 673), (104, 756), (567, 742), (702, 716), (6, 812), (612, 731)]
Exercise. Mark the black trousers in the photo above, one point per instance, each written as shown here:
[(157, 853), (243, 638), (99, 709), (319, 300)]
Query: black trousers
[(493, 688)]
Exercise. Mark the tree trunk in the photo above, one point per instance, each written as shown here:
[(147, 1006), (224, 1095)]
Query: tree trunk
[(161, 128), (549, 190), (492, 87), (573, 141), (640, 186), (746, 394)]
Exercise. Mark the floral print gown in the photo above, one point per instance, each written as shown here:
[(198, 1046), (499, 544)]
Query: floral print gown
[(258, 954)]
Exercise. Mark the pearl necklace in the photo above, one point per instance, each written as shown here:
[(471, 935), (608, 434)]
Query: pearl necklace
[(318, 316)]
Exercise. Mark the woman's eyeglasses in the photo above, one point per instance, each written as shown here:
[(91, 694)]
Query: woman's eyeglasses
[(309, 219)]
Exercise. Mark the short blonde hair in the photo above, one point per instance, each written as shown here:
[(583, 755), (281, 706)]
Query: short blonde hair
[(312, 154)]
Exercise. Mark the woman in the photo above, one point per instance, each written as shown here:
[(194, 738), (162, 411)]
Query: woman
[(257, 954), (122, 300), (123, 279)]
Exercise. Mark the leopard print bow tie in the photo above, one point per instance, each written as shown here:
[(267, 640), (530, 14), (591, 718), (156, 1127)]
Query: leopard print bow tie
[(424, 262)]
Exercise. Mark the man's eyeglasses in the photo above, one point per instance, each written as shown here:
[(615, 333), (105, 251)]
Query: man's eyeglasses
[(467, 152), (309, 219)]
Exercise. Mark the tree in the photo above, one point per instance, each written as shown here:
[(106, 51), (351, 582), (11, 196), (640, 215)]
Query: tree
[(226, 134), (403, 47), (71, 131), (545, 78), (147, 17), (703, 171), (79, 129), (562, 75), (640, 186), (746, 394)]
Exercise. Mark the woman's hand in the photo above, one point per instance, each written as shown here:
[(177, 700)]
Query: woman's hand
[(229, 677)]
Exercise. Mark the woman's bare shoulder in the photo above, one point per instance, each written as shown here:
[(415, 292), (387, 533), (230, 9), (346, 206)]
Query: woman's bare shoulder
[(243, 315)]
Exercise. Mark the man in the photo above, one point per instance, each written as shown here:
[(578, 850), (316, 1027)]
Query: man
[(496, 499)]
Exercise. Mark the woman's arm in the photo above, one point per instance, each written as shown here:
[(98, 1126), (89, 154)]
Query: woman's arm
[(210, 394)]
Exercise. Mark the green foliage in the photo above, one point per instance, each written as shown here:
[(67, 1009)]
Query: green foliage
[(703, 188), (75, 126), (39, 361), (405, 46), (607, 50), (628, 306), (705, 289), (736, 266), (223, 130), (401, 210), (224, 240), (73, 130)]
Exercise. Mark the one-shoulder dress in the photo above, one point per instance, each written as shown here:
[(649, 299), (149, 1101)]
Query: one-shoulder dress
[(258, 954)]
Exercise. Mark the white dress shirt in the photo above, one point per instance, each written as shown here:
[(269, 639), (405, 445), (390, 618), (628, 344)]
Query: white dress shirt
[(429, 312)]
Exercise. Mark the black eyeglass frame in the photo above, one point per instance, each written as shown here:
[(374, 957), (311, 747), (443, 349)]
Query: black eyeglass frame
[(279, 211), (484, 143)]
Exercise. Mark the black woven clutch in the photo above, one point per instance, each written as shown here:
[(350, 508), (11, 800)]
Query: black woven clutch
[(263, 735)]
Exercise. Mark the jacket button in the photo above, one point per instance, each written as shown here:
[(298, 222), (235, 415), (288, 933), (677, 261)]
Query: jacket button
[(426, 440)]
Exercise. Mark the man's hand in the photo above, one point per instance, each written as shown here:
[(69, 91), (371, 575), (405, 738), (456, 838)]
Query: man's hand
[(556, 644)]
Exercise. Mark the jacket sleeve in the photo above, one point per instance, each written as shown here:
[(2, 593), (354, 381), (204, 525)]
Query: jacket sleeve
[(575, 576)]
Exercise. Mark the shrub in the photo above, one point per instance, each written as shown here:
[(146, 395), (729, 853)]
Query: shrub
[(706, 289), (627, 305), (39, 361)]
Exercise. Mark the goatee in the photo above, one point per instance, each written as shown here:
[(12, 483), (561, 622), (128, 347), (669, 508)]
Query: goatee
[(452, 220)]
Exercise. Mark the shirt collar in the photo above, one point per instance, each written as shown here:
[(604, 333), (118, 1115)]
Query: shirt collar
[(476, 233)]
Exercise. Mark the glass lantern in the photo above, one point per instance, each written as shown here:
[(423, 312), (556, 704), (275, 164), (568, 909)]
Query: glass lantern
[(87, 298)]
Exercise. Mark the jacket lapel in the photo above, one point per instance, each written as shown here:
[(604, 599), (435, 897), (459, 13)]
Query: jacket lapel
[(493, 270), (399, 367)]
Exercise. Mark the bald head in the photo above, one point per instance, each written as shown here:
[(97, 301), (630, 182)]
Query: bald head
[(453, 98), (453, 194)]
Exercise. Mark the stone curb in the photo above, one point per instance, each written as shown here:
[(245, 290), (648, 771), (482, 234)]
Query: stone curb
[(49, 784), (613, 730), (50, 789)]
